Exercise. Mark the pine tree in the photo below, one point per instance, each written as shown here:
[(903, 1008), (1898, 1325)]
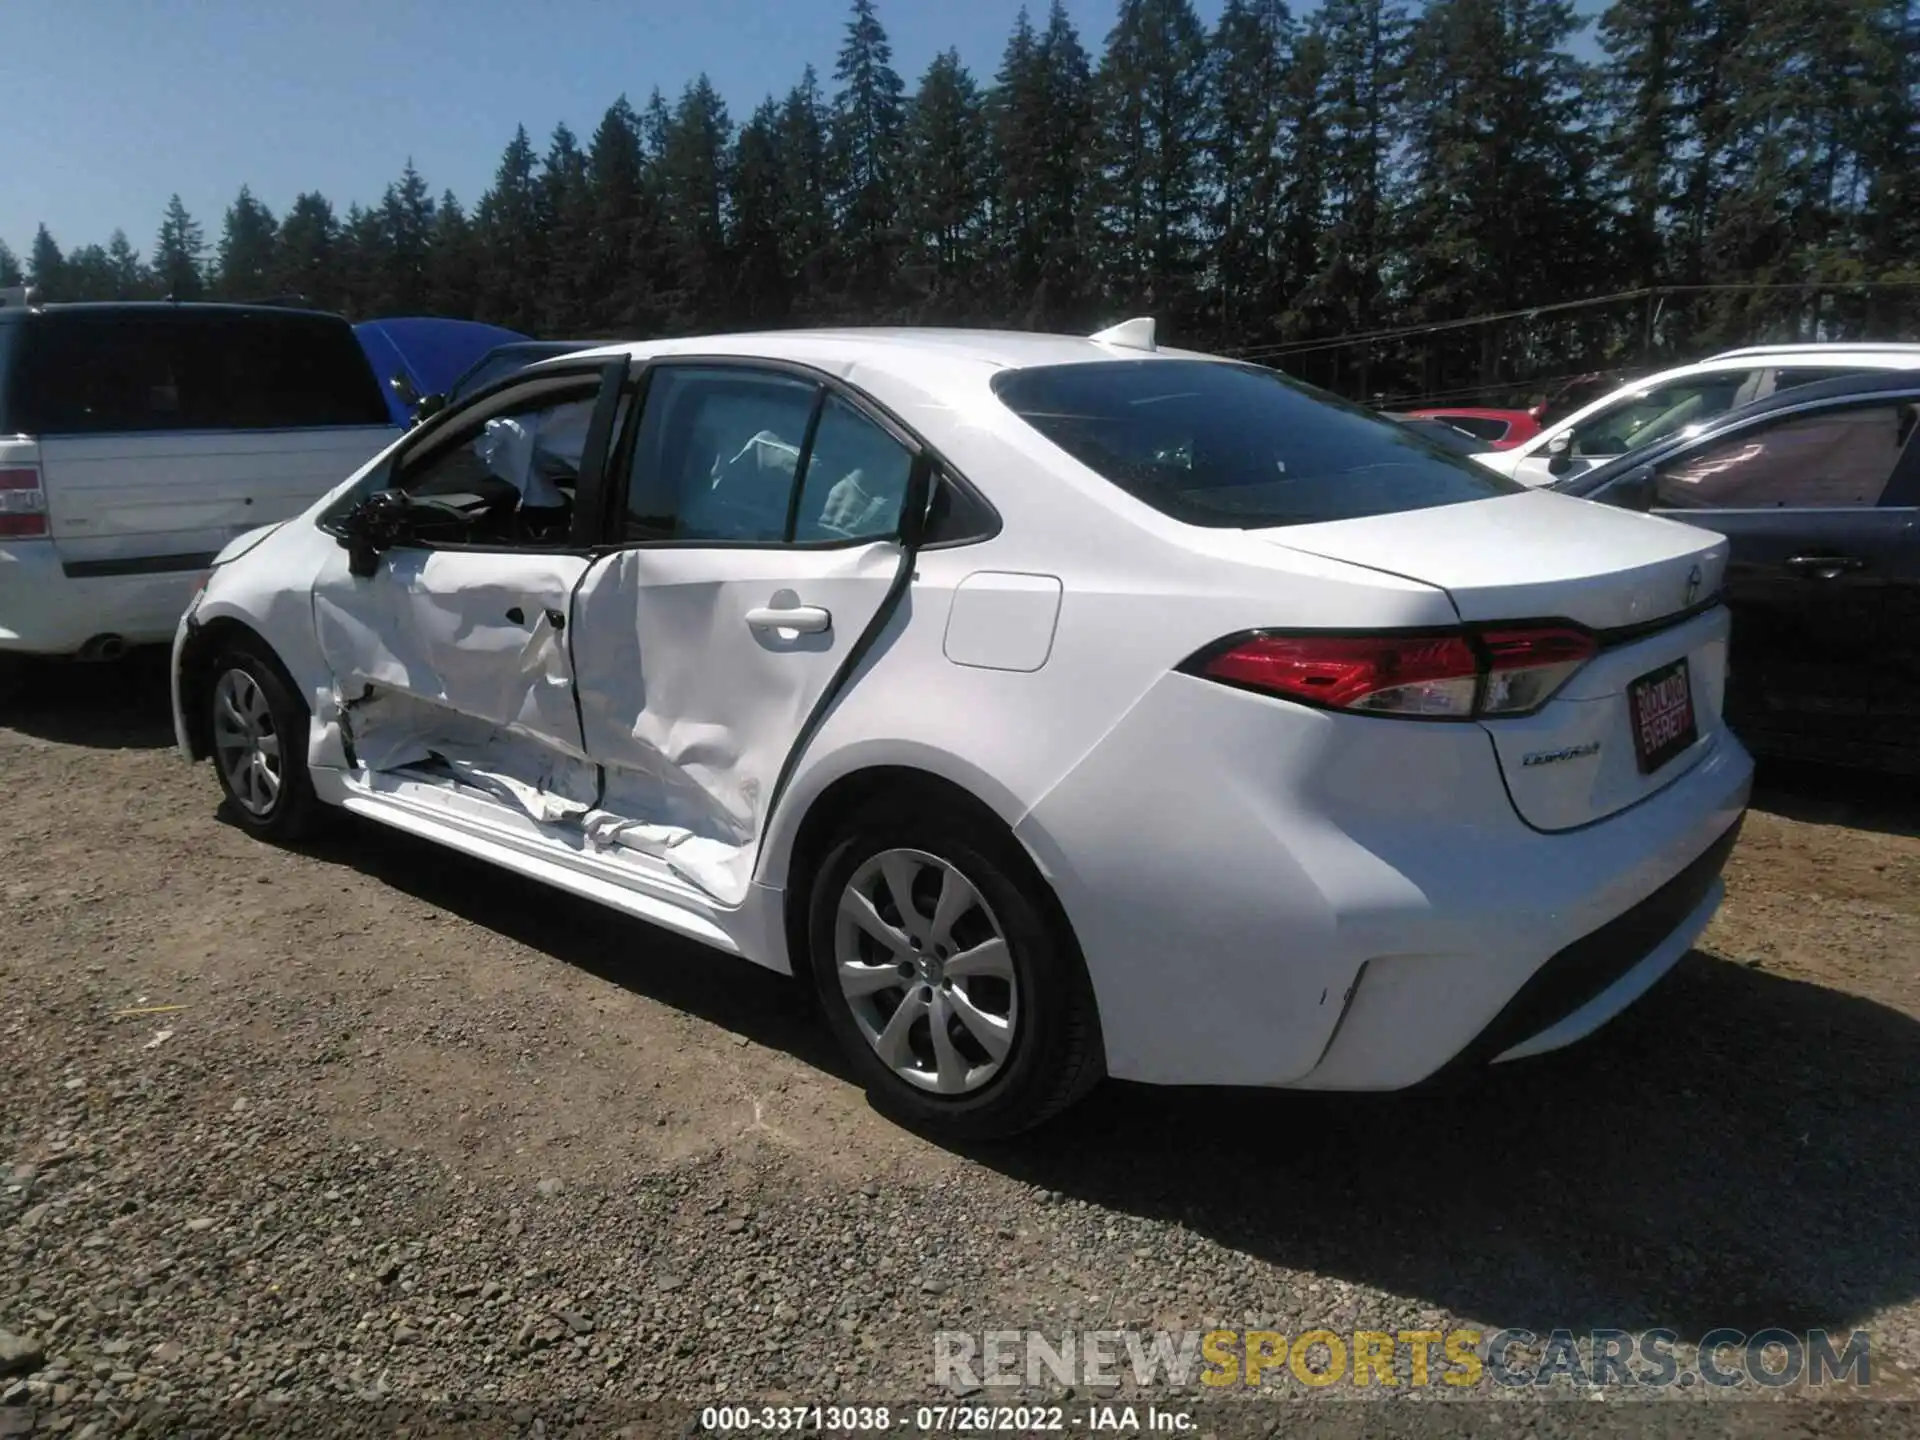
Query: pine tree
[(506, 227), (1642, 41), (1300, 219), (944, 183), (128, 276), (623, 245), (809, 243), (694, 146), (178, 254), (88, 274), (245, 257), (1249, 85), (307, 262), (363, 263), (565, 202), (868, 134), (453, 267), (9, 267), (1364, 42), (1152, 100), (1065, 174), (1018, 119), (403, 282), (47, 267), (761, 291)]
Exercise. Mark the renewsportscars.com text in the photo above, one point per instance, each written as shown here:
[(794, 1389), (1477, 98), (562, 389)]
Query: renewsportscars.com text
[(1460, 1359)]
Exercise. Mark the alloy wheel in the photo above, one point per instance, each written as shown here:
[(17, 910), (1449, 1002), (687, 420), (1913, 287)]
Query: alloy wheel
[(924, 966), (246, 743)]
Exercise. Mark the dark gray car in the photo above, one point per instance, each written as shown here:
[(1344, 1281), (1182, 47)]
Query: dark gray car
[(1817, 489)]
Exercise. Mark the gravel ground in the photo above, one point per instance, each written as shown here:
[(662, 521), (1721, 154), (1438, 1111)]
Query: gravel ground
[(311, 1140)]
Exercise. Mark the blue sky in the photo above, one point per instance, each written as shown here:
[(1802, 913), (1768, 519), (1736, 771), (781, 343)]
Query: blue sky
[(112, 105)]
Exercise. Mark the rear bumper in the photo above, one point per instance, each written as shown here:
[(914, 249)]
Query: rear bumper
[(1585, 985), (1271, 896), (45, 611)]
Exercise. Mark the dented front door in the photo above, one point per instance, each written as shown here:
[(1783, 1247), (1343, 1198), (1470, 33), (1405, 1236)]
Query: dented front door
[(456, 656), (460, 655)]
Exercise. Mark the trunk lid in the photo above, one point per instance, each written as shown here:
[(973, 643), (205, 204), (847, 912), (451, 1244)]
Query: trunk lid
[(1637, 581), (1533, 556)]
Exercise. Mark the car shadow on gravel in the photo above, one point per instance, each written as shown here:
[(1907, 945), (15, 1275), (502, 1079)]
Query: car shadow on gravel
[(1827, 795), (742, 998), (1737, 1150), (109, 705)]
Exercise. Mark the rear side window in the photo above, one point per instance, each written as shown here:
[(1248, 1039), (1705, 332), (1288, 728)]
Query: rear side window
[(1485, 426), (1233, 446), (1837, 459), (118, 372)]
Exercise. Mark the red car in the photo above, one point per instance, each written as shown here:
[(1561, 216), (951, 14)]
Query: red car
[(1501, 429)]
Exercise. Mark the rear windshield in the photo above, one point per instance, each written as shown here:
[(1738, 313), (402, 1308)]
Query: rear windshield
[(110, 372), (1235, 446)]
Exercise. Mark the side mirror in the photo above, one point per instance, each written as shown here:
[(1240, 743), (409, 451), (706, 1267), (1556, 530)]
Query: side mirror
[(371, 528), (1560, 453)]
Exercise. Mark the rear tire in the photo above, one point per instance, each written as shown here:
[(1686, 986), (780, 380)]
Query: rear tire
[(257, 726), (1003, 1040)]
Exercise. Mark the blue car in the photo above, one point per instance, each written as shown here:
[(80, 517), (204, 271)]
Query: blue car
[(419, 356)]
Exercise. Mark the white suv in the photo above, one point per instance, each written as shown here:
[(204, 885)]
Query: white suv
[(136, 440), (1660, 405)]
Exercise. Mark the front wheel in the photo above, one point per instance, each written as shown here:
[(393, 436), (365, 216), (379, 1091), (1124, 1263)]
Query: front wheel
[(258, 726), (963, 1007)]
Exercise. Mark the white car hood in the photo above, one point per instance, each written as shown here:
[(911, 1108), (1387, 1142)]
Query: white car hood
[(245, 541)]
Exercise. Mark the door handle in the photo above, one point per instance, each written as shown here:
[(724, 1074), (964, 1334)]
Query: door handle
[(807, 619), (1825, 567)]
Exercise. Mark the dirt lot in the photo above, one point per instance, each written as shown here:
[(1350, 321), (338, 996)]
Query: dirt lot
[(370, 1124)]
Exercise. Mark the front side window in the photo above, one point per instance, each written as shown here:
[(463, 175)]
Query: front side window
[(512, 478), (1235, 446), (1650, 415), (1834, 459)]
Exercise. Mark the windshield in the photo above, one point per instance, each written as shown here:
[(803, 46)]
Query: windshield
[(1234, 446)]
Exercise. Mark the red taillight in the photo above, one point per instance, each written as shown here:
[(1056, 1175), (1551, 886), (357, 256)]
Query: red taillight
[(23, 505), (1454, 675), (1526, 667), (1381, 674)]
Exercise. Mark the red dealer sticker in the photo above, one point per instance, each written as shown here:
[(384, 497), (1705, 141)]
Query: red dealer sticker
[(1662, 706)]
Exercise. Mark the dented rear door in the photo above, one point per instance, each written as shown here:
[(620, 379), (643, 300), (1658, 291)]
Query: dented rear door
[(759, 553)]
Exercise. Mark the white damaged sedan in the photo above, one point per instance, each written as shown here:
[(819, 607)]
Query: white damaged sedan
[(1055, 707)]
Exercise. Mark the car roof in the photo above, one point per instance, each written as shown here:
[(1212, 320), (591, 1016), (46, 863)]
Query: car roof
[(1903, 358), (899, 347), (1817, 348), (163, 307), (1796, 397)]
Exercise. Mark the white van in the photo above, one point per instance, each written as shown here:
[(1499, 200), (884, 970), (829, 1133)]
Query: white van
[(1659, 405), (136, 440)]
